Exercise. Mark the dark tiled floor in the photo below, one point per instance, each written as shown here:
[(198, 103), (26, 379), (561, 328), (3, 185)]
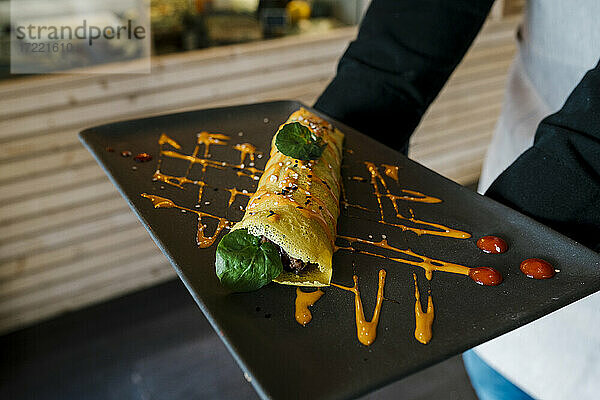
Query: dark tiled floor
[(156, 344)]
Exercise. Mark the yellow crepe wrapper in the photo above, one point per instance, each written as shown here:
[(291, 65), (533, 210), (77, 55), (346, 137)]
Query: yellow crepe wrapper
[(296, 204)]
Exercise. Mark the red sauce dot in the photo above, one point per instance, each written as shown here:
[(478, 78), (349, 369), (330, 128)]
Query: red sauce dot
[(110, 149), (485, 276), (143, 157), (492, 245), (126, 153), (537, 268)]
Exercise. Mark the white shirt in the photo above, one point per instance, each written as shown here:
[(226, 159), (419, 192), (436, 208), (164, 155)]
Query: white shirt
[(557, 356)]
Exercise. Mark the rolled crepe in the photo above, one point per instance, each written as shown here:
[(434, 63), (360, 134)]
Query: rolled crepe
[(296, 204)]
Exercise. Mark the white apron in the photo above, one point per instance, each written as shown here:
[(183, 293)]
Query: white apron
[(557, 356)]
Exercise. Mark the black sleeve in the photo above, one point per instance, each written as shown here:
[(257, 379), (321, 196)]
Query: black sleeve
[(403, 55), (557, 181)]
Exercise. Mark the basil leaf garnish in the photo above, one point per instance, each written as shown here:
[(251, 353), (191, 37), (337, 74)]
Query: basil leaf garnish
[(297, 141), (244, 264)]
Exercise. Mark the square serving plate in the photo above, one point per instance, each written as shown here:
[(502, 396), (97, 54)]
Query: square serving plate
[(325, 360)]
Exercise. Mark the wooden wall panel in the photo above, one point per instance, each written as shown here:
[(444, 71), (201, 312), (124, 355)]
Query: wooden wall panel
[(67, 237)]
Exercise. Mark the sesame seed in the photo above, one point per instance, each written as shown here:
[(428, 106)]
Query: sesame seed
[(266, 120), (255, 177), (240, 133), (370, 236), (207, 202), (383, 237)]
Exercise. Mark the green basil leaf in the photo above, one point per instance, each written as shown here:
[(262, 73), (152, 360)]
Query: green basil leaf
[(297, 141), (244, 264)]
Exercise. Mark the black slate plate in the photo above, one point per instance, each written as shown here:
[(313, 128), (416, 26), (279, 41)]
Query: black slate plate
[(325, 360)]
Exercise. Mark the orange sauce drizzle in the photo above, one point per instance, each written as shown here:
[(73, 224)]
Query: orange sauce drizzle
[(428, 264), (303, 301), (207, 138), (423, 320), (366, 330), (245, 149), (164, 138), (214, 164), (202, 240), (412, 196), (159, 202), (391, 171), (233, 193), (177, 181), (347, 204), (415, 196), (204, 139)]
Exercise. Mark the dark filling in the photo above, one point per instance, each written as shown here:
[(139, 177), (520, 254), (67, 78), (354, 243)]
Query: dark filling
[(294, 265)]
